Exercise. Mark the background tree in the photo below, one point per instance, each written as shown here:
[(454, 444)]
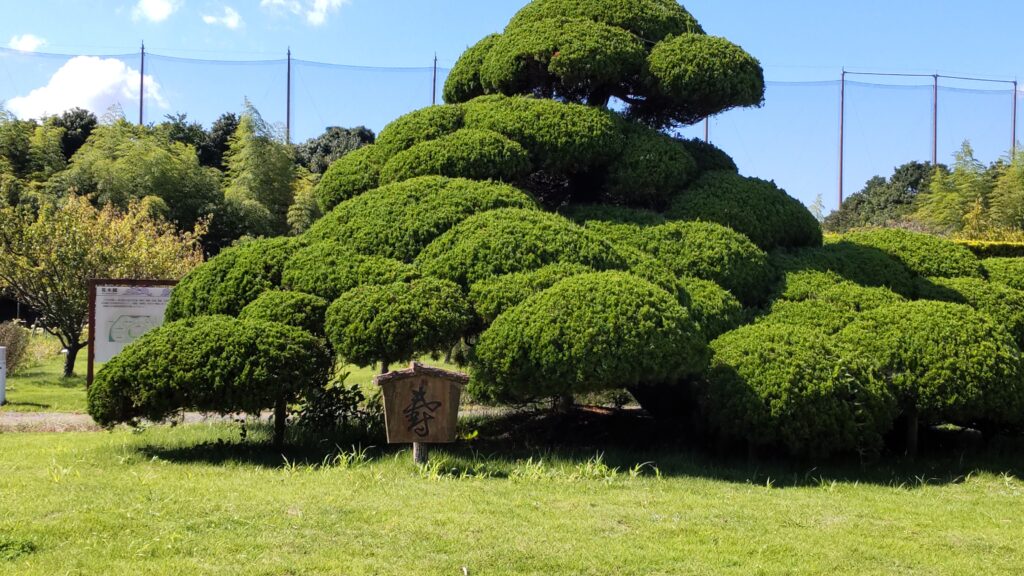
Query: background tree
[(260, 168), (316, 154), (951, 197), (78, 124), (884, 201), (211, 153), (46, 260)]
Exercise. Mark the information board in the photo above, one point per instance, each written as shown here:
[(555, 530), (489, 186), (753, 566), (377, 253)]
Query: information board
[(120, 311)]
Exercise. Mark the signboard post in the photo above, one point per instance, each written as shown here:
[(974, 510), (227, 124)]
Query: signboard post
[(421, 405), (120, 311), (3, 375)]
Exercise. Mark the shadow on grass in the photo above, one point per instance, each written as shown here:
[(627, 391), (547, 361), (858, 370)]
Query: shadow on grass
[(27, 405), (621, 441)]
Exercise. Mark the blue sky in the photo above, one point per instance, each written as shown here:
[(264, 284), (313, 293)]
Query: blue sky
[(792, 140)]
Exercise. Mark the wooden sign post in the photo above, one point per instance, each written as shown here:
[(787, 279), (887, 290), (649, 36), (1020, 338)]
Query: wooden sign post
[(421, 405)]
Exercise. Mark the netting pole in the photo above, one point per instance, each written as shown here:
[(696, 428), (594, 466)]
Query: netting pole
[(706, 134), (842, 126), (935, 120), (288, 102), (433, 95), (142, 79), (1013, 144)]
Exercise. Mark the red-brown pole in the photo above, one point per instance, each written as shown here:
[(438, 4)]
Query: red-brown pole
[(288, 102), (935, 121), (706, 139), (1013, 144), (433, 93), (142, 79), (842, 125)]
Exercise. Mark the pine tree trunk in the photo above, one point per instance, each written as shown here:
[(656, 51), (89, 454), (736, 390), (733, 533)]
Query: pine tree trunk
[(69, 360), (280, 417)]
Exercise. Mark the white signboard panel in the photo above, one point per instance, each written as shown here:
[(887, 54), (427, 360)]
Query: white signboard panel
[(123, 314)]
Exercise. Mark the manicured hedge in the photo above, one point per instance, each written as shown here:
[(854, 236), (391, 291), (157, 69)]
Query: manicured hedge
[(996, 300), (587, 333), (593, 213), (861, 264), (396, 322), (399, 220), (350, 176), (788, 386), (714, 309), (211, 364), (328, 269), (290, 308), (708, 156), (983, 249), (652, 20), (650, 171), (231, 279), (923, 254), (1009, 271), (463, 82), (561, 138), (712, 252), (513, 240), (418, 126), (945, 362), (831, 309), (755, 207), (492, 296), (466, 153)]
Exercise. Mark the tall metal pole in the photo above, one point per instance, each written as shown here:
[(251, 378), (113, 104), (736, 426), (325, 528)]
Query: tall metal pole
[(842, 126), (935, 121), (433, 94), (142, 79), (288, 102), (706, 131), (1013, 145)]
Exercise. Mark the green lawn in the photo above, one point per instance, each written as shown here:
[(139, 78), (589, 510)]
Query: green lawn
[(40, 388), (188, 500)]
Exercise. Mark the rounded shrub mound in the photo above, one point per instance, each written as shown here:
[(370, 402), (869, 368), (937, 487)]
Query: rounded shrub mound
[(944, 362), (651, 20), (291, 308), (587, 333), (857, 263), (463, 82), (397, 322), (923, 254), (399, 220), (704, 75), (467, 153), (421, 125), (707, 156), (492, 296), (788, 386), (712, 252), (595, 213), (211, 364), (350, 176), (714, 309), (755, 207), (328, 269), (832, 308), (996, 300), (577, 58), (231, 279), (561, 138), (1009, 271), (650, 171), (513, 240)]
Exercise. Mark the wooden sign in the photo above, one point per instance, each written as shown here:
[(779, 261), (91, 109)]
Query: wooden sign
[(421, 403)]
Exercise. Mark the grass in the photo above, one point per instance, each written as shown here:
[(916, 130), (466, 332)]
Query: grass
[(40, 387), (191, 500)]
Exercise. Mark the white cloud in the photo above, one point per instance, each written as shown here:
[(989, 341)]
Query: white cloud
[(231, 18), (315, 11), (26, 43), (155, 10), (87, 82)]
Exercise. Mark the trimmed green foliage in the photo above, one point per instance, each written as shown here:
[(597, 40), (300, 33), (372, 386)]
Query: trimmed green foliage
[(712, 252), (418, 126), (798, 284), (571, 58), (210, 363), (755, 207), (397, 322), (587, 333), (996, 300), (708, 156), (650, 171), (463, 82), (588, 213), (714, 309), (701, 75), (923, 254), (561, 138), (349, 176), (513, 240), (857, 263), (231, 279), (466, 153), (983, 249), (944, 361), (399, 220), (1009, 271), (651, 20), (831, 308), (296, 309), (788, 386), (329, 269), (492, 296)]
